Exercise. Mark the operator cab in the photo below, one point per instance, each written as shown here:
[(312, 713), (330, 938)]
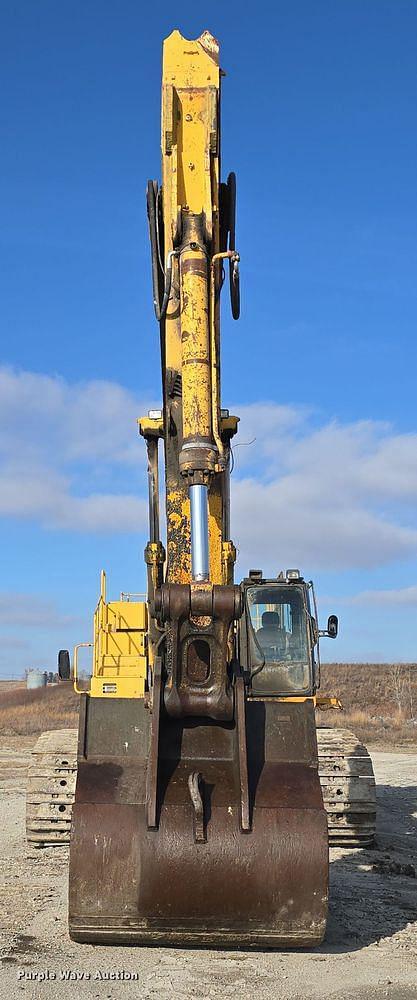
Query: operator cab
[(277, 636)]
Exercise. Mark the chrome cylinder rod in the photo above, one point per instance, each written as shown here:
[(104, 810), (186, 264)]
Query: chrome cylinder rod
[(199, 533), (153, 489)]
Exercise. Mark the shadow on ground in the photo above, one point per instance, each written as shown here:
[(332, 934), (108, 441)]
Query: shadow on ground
[(373, 892)]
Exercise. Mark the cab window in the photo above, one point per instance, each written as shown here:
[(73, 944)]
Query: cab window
[(279, 631)]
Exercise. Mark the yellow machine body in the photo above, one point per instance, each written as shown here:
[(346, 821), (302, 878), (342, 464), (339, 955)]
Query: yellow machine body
[(198, 816), (119, 648)]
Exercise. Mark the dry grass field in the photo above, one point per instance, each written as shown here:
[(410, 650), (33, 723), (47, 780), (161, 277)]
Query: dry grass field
[(25, 712), (379, 700), (379, 703)]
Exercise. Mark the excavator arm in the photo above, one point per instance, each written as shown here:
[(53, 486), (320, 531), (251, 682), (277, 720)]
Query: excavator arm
[(191, 224)]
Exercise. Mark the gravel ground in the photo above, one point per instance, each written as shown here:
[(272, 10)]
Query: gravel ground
[(370, 950)]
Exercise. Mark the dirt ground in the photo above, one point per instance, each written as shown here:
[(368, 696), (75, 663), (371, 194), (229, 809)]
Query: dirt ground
[(370, 950)]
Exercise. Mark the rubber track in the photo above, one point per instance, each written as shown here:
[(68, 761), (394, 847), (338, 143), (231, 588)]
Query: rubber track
[(345, 769), (51, 788), (348, 786)]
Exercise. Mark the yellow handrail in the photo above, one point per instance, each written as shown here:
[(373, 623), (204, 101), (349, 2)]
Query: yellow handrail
[(75, 665)]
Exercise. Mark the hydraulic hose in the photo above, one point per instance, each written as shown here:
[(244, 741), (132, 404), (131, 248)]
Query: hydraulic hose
[(160, 303)]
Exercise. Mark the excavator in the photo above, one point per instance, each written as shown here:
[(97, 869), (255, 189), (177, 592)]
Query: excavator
[(200, 796)]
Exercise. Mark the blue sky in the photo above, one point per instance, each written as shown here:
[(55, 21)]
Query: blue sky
[(319, 122)]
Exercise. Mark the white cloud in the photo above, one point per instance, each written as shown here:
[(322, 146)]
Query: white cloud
[(60, 444), (276, 525), (402, 597), (332, 497), (323, 495), (31, 611), (13, 642), (85, 421)]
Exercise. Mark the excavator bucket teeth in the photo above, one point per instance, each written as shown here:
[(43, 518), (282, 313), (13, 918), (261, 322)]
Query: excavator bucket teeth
[(197, 877)]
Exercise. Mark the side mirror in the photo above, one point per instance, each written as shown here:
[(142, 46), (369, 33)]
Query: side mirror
[(64, 665), (332, 626)]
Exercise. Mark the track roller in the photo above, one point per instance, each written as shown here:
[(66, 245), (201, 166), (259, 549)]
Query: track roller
[(51, 788), (348, 787)]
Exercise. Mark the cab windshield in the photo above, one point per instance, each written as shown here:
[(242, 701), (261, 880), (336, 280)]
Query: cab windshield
[(279, 637)]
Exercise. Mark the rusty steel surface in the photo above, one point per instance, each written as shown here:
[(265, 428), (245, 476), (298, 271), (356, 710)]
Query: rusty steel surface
[(152, 766), (199, 650), (198, 878), (245, 821)]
